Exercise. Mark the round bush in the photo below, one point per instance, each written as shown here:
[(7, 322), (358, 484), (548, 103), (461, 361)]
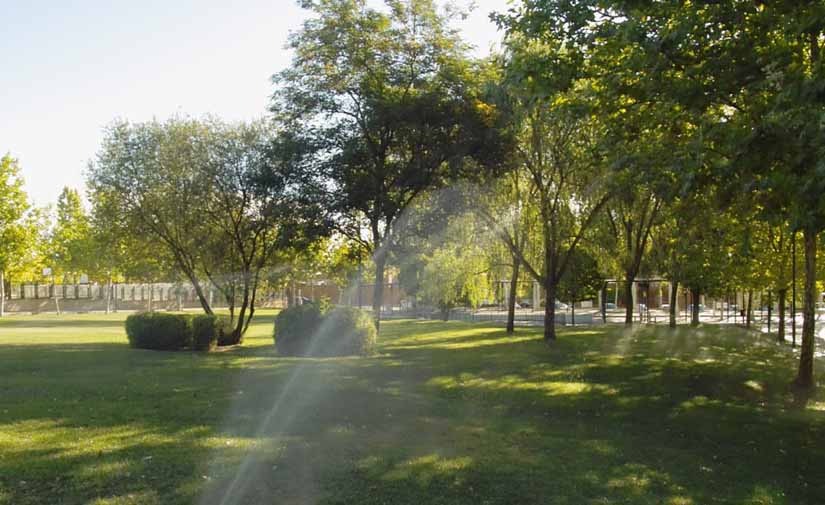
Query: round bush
[(315, 330), (207, 331), (159, 331)]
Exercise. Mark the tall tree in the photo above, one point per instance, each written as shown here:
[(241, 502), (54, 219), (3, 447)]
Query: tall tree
[(508, 212), (582, 280), (70, 237), (17, 233), (384, 95), (566, 184), (755, 67), (222, 199)]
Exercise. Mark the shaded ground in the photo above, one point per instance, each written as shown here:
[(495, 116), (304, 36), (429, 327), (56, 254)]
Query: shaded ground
[(447, 413)]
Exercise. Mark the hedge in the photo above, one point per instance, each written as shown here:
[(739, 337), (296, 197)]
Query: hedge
[(207, 331), (313, 329), (160, 331), (171, 332)]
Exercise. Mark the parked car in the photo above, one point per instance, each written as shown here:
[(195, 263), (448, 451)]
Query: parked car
[(609, 306), (701, 307), (665, 307), (561, 306), (525, 304)]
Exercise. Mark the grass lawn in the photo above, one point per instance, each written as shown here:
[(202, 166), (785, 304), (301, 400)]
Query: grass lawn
[(447, 413)]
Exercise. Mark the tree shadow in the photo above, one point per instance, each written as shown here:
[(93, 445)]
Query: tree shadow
[(601, 417)]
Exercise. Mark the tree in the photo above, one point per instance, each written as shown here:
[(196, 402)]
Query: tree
[(754, 70), (70, 241), (581, 280), (507, 213), (454, 273), (557, 152), (221, 199), (18, 230), (147, 177), (631, 217), (384, 97)]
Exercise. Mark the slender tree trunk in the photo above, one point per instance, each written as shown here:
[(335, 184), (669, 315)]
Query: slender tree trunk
[(378, 290), (805, 377), (749, 310), (550, 310), (290, 294), (674, 288), (695, 293), (770, 309), (511, 301), (572, 313), (781, 330), (237, 334), (628, 294), (253, 297), (604, 303), (201, 296), (2, 293), (109, 295)]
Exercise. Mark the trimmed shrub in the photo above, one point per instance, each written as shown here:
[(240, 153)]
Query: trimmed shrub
[(318, 330), (159, 331), (294, 328), (207, 331)]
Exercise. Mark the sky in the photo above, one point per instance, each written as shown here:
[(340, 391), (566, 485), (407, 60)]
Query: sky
[(68, 69)]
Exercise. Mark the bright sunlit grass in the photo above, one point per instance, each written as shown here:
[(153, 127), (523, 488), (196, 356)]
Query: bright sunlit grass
[(445, 413)]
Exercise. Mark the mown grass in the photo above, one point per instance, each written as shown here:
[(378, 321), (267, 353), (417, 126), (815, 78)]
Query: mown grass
[(447, 413)]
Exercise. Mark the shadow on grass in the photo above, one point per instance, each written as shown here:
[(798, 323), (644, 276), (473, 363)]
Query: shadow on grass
[(600, 417)]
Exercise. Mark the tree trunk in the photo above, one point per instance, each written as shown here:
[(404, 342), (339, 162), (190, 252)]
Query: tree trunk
[(378, 290), (628, 294), (674, 289), (694, 312), (550, 311), (781, 330), (805, 377), (604, 303), (201, 296), (770, 309), (290, 294), (511, 301), (109, 295), (572, 313), (749, 310), (236, 337), (2, 293)]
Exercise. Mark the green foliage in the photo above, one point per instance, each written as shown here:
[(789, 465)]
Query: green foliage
[(220, 201), (208, 330), (582, 280), (70, 241), (454, 276), (387, 100), (19, 224), (314, 329), (159, 331)]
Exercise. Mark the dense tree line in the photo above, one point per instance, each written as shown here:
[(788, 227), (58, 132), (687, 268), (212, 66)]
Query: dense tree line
[(606, 140)]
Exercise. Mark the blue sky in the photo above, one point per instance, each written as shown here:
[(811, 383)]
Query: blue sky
[(67, 69)]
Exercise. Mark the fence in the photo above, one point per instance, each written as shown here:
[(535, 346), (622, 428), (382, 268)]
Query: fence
[(125, 296), (520, 319)]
